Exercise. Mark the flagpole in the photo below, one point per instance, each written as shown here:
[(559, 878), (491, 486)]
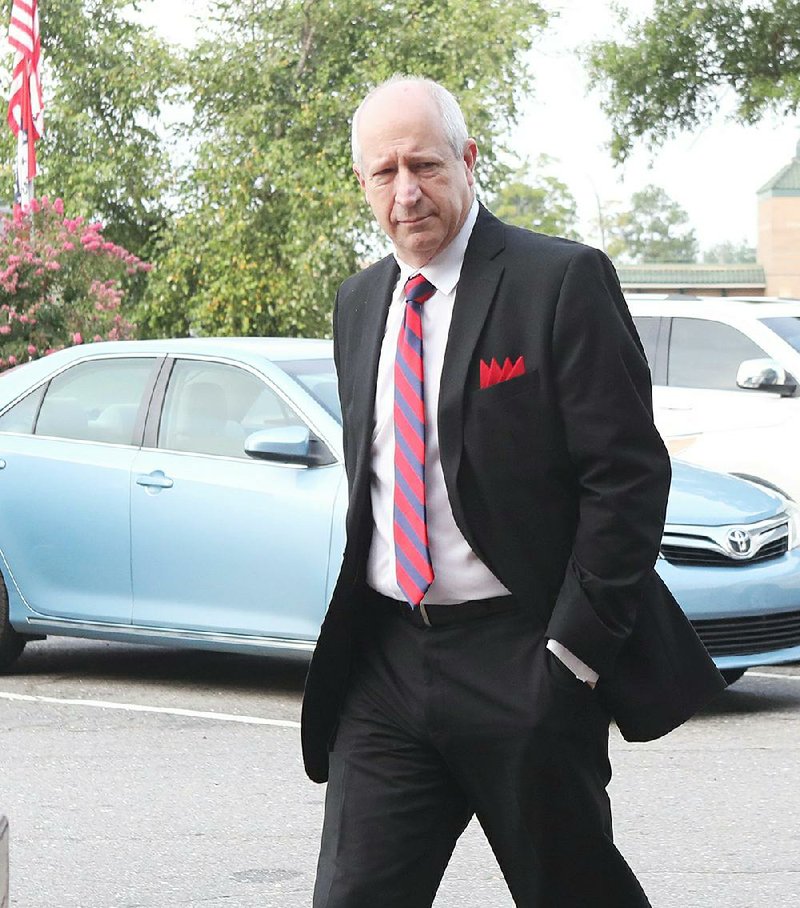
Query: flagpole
[(24, 185), (25, 103)]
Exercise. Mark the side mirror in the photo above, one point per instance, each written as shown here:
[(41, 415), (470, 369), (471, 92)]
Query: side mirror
[(765, 375), (288, 444)]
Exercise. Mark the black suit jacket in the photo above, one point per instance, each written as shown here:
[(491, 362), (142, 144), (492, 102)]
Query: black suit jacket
[(557, 478)]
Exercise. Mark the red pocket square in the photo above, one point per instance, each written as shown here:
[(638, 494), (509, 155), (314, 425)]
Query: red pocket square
[(492, 373)]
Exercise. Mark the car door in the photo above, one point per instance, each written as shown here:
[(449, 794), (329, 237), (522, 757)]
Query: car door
[(701, 391), (673, 411), (223, 543), (67, 449), (650, 330)]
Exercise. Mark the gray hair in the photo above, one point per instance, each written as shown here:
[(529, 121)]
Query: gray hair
[(453, 123)]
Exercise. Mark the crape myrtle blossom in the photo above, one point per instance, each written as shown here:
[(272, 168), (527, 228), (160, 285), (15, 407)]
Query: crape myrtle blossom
[(61, 282)]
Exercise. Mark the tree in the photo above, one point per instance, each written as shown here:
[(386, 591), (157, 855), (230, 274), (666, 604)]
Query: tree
[(271, 219), (729, 253), (669, 71), (62, 284), (105, 79), (537, 200), (654, 228)]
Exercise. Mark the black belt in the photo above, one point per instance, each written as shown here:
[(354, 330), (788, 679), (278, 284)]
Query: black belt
[(438, 615)]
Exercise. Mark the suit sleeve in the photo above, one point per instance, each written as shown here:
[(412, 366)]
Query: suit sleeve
[(622, 468)]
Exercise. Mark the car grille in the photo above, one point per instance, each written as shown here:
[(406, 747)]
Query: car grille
[(752, 634), (726, 546), (678, 554)]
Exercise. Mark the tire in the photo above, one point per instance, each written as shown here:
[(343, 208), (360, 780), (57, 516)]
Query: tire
[(732, 674), (11, 643)]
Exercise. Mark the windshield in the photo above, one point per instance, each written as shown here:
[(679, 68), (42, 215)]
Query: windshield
[(318, 377), (787, 327)]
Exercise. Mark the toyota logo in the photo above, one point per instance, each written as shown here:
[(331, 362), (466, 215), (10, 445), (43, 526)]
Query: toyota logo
[(739, 543)]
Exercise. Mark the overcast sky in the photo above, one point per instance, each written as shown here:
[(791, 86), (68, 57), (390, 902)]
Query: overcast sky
[(714, 173)]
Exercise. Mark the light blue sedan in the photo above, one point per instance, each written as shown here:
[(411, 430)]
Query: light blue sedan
[(191, 493)]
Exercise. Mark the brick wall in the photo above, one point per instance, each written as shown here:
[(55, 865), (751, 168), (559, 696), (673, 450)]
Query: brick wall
[(779, 243)]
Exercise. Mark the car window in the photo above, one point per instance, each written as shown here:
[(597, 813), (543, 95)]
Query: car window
[(707, 354), (20, 417), (318, 377), (786, 327), (211, 408), (97, 400), (647, 327)]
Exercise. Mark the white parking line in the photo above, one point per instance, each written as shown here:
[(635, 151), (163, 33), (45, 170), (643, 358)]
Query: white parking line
[(750, 674), (137, 708), (228, 717)]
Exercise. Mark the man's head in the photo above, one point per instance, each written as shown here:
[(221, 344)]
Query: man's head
[(415, 162)]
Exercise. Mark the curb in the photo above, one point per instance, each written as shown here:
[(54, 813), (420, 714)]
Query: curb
[(3, 862)]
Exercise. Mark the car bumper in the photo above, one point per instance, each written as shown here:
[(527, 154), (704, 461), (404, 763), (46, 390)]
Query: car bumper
[(746, 615)]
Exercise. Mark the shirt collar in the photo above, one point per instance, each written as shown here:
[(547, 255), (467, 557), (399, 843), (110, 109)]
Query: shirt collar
[(444, 269)]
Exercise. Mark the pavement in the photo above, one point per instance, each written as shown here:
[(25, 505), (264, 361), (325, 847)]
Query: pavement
[(140, 777)]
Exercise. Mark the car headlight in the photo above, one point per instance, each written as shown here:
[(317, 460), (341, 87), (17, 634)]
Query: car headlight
[(793, 513)]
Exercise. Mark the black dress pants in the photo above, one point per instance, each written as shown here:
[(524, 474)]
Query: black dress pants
[(469, 718)]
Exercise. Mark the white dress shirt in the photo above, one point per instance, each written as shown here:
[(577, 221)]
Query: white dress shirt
[(459, 575)]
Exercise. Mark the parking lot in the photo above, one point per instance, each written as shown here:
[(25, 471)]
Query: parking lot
[(139, 777)]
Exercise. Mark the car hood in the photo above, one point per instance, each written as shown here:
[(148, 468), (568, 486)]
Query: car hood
[(704, 498)]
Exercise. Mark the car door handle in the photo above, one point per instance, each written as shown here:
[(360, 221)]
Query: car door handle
[(2, 464), (155, 480)]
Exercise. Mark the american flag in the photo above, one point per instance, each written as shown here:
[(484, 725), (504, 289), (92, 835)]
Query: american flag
[(25, 106)]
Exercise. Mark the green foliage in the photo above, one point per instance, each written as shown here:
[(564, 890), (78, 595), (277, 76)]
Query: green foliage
[(105, 78), (62, 283), (271, 217), (537, 200), (654, 228), (729, 253), (669, 71)]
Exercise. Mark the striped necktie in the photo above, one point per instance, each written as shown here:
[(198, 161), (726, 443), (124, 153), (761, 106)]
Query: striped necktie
[(412, 556)]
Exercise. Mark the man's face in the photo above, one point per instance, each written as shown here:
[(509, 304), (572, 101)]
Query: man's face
[(420, 192)]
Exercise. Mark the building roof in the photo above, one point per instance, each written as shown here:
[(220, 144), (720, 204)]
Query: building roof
[(749, 274), (786, 182)]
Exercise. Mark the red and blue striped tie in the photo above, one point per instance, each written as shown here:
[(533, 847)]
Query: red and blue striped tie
[(412, 555)]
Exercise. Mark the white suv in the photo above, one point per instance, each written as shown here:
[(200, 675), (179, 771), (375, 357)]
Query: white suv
[(726, 376)]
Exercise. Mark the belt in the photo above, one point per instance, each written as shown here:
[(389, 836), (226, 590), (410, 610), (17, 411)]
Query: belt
[(438, 615)]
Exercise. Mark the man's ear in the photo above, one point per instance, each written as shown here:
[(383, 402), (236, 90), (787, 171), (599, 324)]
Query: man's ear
[(361, 181), (470, 157)]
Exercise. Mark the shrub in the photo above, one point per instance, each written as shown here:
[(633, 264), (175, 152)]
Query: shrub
[(61, 283)]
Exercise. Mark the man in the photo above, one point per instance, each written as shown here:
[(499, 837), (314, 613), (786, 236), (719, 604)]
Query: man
[(497, 599)]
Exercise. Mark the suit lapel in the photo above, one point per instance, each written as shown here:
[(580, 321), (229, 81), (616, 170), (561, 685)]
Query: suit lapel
[(477, 287), (370, 323)]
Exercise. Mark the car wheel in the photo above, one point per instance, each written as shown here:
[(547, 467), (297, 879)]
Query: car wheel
[(11, 643), (732, 674)]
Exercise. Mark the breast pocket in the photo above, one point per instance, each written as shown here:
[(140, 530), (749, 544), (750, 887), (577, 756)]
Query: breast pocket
[(502, 391), (503, 416)]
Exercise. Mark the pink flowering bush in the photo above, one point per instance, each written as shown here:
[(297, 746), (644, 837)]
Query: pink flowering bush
[(61, 283)]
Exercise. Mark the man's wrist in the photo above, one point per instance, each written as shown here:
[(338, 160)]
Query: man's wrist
[(580, 669)]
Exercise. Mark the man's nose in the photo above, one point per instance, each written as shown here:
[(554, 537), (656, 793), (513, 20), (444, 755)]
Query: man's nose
[(407, 191)]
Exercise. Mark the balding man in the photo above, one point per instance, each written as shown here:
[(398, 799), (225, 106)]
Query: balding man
[(497, 601)]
